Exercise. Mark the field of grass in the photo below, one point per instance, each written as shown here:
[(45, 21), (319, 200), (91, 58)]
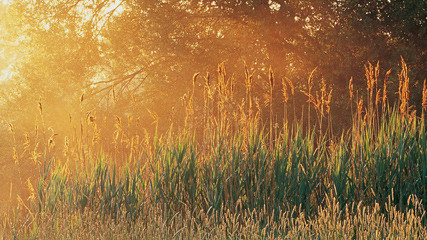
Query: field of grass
[(227, 174)]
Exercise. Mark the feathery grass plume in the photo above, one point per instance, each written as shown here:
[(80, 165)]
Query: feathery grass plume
[(249, 84), (66, 149), (378, 98), (271, 81), (287, 80), (320, 104), (191, 100), (35, 155), (291, 85), (30, 187), (371, 74), (377, 107), (42, 120), (328, 111), (350, 88), (185, 101), (285, 94), (318, 101), (223, 95), (208, 91), (10, 191), (222, 81), (384, 98), (95, 134), (328, 102), (424, 101), (15, 152), (207, 98), (323, 97), (285, 102), (360, 108), (117, 130), (377, 72), (15, 155), (27, 143), (404, 89), (293, 97), (155, 117), (51, 141), (368, 75), (12, 130), (310, 86)]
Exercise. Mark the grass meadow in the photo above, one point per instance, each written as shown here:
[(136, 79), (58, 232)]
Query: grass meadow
[(229, 174)]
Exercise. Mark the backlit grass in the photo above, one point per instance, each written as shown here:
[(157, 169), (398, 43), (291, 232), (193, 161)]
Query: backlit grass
[(228, 174)]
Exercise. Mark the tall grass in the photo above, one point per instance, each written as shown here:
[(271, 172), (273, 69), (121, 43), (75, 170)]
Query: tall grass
[(301, 182)]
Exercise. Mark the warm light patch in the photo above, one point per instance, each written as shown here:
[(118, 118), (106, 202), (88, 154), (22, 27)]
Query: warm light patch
[(5, 73)]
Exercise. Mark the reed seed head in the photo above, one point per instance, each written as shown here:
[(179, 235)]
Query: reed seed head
[(291, 85), (404, 89), (271, 77), (350, 88), (378, 97), (285, 91), (384, 98), (424, 102)]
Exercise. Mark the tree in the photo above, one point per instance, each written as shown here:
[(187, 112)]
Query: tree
[(113, 51)]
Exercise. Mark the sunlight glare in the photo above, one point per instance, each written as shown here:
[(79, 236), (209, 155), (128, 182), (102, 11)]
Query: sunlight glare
[(5, 73)]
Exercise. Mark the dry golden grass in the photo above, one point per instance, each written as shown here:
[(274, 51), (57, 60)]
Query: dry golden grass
[(355, 221), (226, 174)]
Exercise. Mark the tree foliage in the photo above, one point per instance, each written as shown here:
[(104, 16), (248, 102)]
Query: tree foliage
[(108, 53)]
